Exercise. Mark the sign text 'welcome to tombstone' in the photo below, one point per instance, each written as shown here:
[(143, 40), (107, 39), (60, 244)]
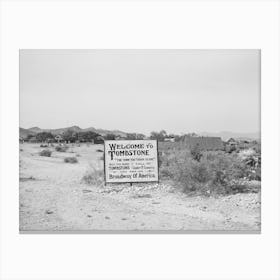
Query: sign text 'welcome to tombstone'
[(131, 161)]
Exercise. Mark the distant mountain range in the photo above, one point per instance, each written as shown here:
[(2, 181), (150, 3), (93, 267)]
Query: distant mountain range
[(225, 135), (34, 130)]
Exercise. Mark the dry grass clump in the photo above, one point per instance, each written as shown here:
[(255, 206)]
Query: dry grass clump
[(43, 145), (61, 149), (93, 176), (45, 153), (24, 179), (252, 158), (71, 160), (214, 172)]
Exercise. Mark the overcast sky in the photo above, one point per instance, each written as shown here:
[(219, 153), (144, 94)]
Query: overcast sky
[(141, 90)]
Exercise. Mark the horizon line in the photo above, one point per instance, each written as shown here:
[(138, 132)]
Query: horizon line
[(204, 131)]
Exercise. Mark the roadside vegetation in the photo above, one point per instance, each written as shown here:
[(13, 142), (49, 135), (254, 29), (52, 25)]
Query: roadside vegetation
[(93, 176), (61, 149), (45, 153), (235, 167), (71, 160), (212, 172)]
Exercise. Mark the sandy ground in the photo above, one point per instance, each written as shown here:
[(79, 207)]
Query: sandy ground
[(53, 197)]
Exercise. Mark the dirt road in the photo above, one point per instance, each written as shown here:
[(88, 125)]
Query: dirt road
[(53, 197)]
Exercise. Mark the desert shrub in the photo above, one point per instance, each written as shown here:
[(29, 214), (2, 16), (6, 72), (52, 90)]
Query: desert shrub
[(257, 148), (61, 149), (255, 174), (43, 145), (252, 159), (71, 160), (78, 155), (227, 169), (243, 186), (196, 153), (215, 172), (93, 176), (231, 148), (160, 160), (45, 153), (24, 179)]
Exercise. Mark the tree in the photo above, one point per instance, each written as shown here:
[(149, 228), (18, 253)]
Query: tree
[(196, 152), (135, 136), (163, 133), (28, 137), (44, 136), (110, 136), (140, 136), (131, 136), (88, 136), (160, 136), (70, 136)]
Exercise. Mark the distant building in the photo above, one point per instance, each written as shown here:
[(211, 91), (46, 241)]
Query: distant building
[(119, 137), (49, 140), (58, 138), (33, 139), (244, 144), (232, 141), (204, 143), (231, 145), (172, 139)]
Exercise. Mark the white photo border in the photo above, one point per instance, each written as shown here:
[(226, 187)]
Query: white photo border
[(139, 25)]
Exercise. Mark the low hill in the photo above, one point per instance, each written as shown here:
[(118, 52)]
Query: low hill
[(25, 132), (61, 130), (34, 130), (225, 135)]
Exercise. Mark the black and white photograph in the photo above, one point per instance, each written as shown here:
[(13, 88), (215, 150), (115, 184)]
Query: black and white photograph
[(140, 140)]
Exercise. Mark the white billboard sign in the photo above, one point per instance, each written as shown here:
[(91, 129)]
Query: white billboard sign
[(128, 161)]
